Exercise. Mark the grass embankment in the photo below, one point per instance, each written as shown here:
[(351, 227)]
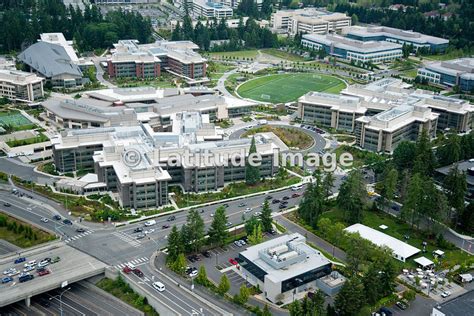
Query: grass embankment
[(230, 191), (20, 233), (236, 55), (292, 137), (282, 54), (361, 157), (124, 292), (40, 138)]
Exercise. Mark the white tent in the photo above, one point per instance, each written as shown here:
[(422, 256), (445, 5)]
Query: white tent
[(424, 262)]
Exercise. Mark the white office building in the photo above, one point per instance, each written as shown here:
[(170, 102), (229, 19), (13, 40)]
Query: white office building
[(211, 9), (21, 86)]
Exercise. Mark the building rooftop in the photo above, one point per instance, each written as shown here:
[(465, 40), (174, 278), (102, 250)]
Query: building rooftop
[(351, 44), (334, 101), (50, 60), (461, 305), (285, 257), (463, 67), (59, 39), (19, 77), (381, 239), (402, 35), (465, 166), (135, 94)]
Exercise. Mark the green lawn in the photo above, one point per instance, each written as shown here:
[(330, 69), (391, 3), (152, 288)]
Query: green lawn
[(284, 88), (282, 54), (28, 141), (235, 55), (16, 120)]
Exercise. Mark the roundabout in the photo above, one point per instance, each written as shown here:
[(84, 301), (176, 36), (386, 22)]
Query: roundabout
[(288, 87)]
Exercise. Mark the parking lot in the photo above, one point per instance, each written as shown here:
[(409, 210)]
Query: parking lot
[(72, 266)]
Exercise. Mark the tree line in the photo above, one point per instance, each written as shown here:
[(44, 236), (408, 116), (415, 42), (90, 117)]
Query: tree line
[(90, 29), (248, 35)]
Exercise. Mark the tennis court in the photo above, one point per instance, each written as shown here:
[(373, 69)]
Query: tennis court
[(15, 119)]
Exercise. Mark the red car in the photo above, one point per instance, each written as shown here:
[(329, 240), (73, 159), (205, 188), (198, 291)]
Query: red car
[(44, 272), (126, 270), (138, 273), (295, 195), (233, 261)]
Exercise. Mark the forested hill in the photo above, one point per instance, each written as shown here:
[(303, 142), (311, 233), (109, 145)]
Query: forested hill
[(21, 22)]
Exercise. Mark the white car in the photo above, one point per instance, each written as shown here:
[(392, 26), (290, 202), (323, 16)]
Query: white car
[(248, 209), (14, 272), (257, 213), (23, 274), (28, 268), (43, 264), (44, 220), (8, 271), (149, 231), (30, 263), (445, 294), (193, 273), (160, 287), (131, 266)]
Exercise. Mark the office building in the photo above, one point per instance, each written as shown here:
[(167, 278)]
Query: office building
[(381, 95), (309, 20), (384, 33), (129, 59), (138, 162), (20, 86), (384, 131), (285, 268), (115, 2), (52, 62), (400, 250), (353, 50), (450, 73), (211, 9), (466, 166), (330, 110)]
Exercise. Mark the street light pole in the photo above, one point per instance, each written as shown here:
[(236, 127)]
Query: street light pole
[(61, 300)]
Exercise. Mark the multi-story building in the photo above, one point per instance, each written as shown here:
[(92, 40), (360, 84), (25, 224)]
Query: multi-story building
[(129, 59), (20, 86), (330, 110), (286, 269), (137, 163), (390, 34), (353, 50), (449, 73), (59, 39), (211, 9), (309, 20), (52, 62), (454, 114), (384, 131), (112, 2)]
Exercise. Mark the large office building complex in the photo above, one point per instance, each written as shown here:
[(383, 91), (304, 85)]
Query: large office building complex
[(353, 50), (285, 268), (309, 20), (20, 86), (138, 162), (390, 34), (129, 59), (211, 9), (449, 73)]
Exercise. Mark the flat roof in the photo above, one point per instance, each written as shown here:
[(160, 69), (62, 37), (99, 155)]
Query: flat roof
[(423, 261), (378, 238), (311, 260), (463, 67), (461, 166), (461, 305)]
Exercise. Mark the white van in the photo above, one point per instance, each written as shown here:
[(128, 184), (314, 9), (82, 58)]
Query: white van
[(150, 223), (159, 286), (296, 187)]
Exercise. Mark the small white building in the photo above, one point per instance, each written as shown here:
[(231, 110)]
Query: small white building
[(401, 250)]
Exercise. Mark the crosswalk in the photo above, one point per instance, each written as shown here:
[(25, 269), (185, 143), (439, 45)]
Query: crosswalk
[(128, 239), (135, 262), (76, 237)]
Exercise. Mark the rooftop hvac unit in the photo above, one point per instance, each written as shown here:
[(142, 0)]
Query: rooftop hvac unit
[(278, 250), (288, 255)]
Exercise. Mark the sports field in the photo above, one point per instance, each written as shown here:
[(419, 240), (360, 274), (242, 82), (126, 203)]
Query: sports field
[(288, 87), (13, 119)]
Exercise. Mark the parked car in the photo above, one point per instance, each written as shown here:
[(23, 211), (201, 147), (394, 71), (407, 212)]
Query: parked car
[(268, 197), (55, 259), (160, 287), (275, 201), (233, 261), (20, 260), (282, 206), (402, 305), (7, 279), (445, 294), (193, 273), (257, 213), (207, 254), (228, 224), (237, 243), (295, 195), (384, 311), (248, 210), (26, 278), (285, 198)]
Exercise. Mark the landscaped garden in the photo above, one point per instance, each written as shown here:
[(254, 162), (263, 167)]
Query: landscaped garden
[(40, 138), (292, 137), (282, 88), (20, 233)]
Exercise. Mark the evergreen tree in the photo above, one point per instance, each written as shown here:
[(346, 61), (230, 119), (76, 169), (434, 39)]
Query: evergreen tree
[(176, 34), (352, 196), (201, 278), (179, 264), (404, 155), (192, 233), (175, 245), (243, 295), (266, 217), (425, 160), (351, 298), (218, 231), (188, 30), (252, 173), (224, 285), (389, 186), (256, 237)]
